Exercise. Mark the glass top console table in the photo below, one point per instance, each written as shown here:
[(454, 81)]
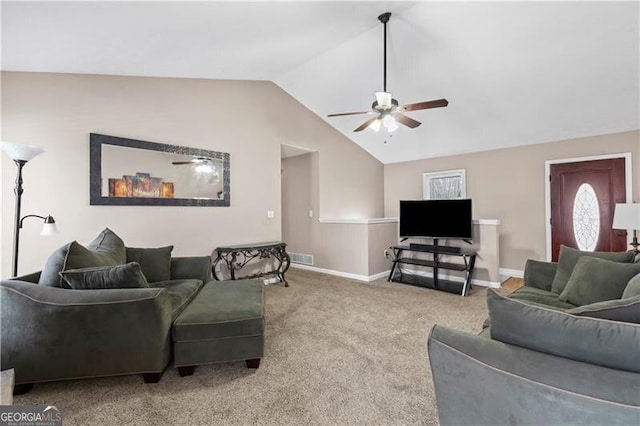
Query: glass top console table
[(240, 256)]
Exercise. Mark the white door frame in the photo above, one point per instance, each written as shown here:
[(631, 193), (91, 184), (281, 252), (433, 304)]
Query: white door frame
[(547, 186)]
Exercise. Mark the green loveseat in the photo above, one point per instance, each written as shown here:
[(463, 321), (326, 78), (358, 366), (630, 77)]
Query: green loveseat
[(544, 359)]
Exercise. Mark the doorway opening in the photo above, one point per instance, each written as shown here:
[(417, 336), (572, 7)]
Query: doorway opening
[(299, 201)]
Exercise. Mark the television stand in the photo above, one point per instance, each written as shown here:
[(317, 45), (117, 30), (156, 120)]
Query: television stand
[(434, 282)]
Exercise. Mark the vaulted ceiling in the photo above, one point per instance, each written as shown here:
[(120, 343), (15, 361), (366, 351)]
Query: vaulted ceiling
[(514, 73)]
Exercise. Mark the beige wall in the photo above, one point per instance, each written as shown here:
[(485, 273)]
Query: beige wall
[(508, 184), (247, 119), (381, 236)]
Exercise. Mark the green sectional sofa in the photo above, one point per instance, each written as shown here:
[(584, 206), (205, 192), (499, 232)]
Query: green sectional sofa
[(562, 349), (92, 312)]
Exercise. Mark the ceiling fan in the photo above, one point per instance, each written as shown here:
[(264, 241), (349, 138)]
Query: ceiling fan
[(197, 160), (203, 164), (385, 110)]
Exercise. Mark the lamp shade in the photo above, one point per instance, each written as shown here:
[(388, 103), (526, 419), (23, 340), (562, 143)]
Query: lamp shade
[(626, 216), (49, 227), (18, 151)]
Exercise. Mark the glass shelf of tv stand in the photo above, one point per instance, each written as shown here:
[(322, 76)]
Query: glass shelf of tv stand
[(434, 282)]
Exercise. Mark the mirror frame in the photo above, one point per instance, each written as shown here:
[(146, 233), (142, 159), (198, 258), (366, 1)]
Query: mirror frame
[(95, 175)]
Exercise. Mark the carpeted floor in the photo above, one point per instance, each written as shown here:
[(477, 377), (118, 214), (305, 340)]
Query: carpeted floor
[(337, 352)]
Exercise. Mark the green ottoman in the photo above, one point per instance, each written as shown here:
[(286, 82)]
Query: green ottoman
[(225, 322)]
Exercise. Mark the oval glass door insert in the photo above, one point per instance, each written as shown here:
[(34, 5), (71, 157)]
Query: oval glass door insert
[(586, 218)]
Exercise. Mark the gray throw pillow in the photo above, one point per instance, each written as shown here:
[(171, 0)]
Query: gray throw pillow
[(155, 262), (596, 341), (55, 263), (625, 310), (107, 245), (106, 277), (569, 257), (632, 288), (596, 280)]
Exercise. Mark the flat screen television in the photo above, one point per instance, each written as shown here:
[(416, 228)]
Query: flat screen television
[(436, 219)]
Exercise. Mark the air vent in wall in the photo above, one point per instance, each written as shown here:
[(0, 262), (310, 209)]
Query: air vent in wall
[(303, 259)]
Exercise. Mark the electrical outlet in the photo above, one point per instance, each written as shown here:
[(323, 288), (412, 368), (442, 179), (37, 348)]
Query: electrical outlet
[(271, 214), (310, 213), (385, 253)]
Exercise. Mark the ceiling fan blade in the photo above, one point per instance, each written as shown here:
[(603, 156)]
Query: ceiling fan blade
[(365, 124), (407, 121), (197, 160), (438, 103), (348, 113)]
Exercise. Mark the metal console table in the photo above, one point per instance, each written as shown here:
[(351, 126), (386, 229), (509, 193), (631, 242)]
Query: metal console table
[(237, 257)]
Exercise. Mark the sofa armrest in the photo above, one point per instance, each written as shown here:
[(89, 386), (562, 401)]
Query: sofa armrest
[(485, 382), (195, 267), (539, 274), (50, 333)]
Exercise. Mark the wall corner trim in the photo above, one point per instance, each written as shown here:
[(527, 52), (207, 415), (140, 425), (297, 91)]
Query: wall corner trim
[(494, 222), (361, 221)]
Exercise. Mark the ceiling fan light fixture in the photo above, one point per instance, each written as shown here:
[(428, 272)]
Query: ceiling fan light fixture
[(384, 99), (390, 123), (204, 168), (375, 125)]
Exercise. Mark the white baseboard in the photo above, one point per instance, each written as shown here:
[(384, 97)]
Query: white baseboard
[(370, 278), (481, 283), (365, 278), (506, 273)]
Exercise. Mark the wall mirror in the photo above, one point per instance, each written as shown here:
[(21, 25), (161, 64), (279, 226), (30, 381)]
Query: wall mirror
[(133, 172)]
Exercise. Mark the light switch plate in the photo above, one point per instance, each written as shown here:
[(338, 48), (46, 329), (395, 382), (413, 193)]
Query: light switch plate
[(271, 214), (310, 213)]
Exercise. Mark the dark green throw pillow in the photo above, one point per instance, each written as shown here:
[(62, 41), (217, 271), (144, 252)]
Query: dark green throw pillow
[(105, 277), (625, 310), (154, 262), (569, 257), (107, 246), (596, 280), (55, 263), (632, 288), (607, 343)]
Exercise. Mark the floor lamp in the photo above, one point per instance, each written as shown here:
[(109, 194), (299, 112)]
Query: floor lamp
[(21, 154), (627, 216)]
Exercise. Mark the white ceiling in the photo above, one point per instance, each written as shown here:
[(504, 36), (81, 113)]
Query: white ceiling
[(514, 73)]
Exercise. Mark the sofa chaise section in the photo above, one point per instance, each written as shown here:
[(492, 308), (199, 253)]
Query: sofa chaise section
[(52, 333)]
